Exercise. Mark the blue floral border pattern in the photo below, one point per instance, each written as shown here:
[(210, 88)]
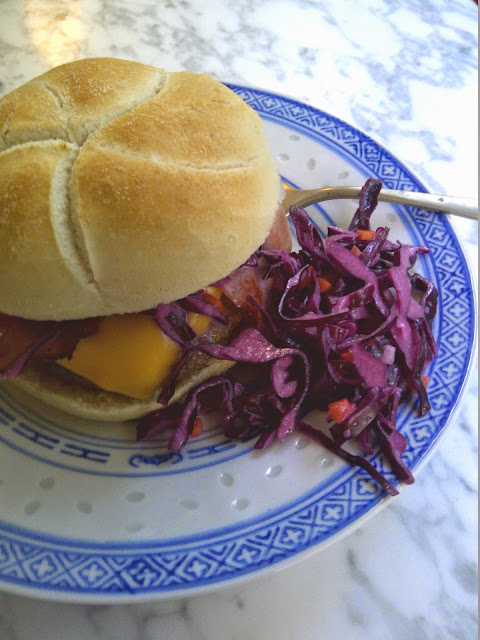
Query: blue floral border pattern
[(76, 567)]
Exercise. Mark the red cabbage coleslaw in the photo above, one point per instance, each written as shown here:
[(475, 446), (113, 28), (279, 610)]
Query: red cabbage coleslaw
[(345, 327)]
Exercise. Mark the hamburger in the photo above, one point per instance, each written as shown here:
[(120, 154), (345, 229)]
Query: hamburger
[(125, 192)]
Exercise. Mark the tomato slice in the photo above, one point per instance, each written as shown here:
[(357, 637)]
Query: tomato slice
[(17, 335)]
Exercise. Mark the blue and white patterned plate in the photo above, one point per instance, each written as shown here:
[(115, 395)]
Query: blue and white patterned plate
[(86, 514)]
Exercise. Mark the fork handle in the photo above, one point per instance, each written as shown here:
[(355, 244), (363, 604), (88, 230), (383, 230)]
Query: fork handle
[(465, 207)]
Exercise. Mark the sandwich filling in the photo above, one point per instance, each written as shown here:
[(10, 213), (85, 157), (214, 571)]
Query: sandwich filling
[(134, 354), (129, 354)]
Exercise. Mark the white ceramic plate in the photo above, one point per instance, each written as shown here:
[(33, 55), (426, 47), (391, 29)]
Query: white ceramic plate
[(86, 514)]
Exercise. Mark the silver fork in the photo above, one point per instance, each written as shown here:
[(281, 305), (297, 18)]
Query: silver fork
[(465, 207)]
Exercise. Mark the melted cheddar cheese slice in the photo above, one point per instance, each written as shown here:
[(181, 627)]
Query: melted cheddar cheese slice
[(129, 354)]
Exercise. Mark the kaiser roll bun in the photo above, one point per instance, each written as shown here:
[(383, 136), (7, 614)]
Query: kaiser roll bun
[(123, 186)]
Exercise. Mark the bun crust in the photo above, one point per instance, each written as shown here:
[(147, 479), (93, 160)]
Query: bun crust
[(123, 186)]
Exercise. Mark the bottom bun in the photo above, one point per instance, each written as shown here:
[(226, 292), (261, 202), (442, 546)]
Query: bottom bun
[(59, 388)]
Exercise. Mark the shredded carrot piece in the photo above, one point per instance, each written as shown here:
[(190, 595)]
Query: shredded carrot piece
[(365, 234), (324, 285), (346, 355), (425, 380), (340, 409), (356, 251), (197, 428)]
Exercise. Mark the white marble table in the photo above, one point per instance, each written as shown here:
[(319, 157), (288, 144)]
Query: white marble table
[(405, 72)]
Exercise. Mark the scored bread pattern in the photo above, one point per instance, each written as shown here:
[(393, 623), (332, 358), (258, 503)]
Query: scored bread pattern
[(64, 113), (139, 566), (64, 106), (154, 173)]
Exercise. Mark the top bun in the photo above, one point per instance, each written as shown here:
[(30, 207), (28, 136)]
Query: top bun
[(123, 186)]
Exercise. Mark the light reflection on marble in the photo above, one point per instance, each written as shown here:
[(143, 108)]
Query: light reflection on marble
[(405, 72)]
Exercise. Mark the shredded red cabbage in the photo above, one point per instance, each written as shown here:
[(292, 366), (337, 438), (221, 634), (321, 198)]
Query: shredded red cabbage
[(340, 319)]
